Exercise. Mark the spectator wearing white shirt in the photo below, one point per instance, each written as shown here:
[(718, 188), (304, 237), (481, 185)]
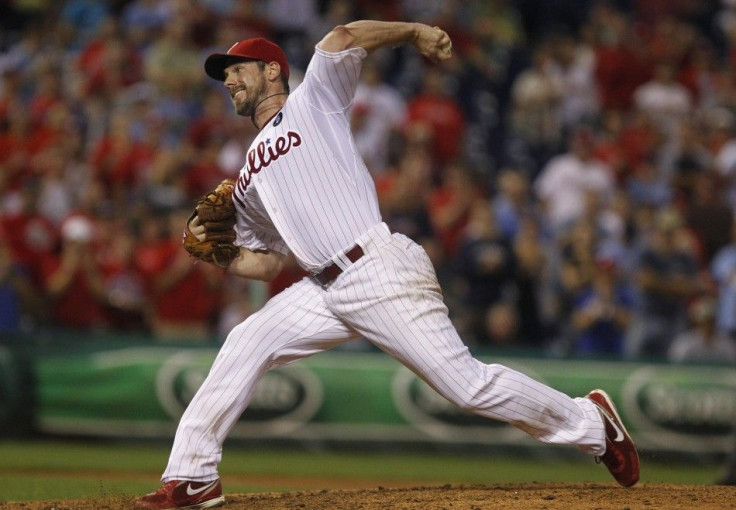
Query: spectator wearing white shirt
[(567, 181), (666, 101)]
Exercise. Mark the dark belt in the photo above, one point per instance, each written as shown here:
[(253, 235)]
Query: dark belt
[(328, 274)]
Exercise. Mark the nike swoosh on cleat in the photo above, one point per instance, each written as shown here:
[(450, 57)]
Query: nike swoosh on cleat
[(619, 433), (193, 492)]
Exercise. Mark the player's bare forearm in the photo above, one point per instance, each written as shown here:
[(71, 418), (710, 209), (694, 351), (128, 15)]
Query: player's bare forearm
[(257, 265), (432, 42)]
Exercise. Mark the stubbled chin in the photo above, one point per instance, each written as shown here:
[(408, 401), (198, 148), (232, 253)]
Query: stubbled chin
[(238, 103), (243, 109)]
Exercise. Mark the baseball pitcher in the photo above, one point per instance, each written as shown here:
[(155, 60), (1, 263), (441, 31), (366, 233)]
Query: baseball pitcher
[(304, 190)]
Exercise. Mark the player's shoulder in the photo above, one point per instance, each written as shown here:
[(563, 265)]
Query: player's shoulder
[(323, 60)]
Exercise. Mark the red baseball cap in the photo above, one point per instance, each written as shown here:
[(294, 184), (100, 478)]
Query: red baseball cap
[(249, 49)]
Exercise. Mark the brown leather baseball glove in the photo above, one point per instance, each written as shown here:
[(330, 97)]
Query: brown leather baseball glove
[(209, 233)]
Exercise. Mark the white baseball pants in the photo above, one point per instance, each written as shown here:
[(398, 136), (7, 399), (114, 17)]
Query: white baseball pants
[(391, 297)]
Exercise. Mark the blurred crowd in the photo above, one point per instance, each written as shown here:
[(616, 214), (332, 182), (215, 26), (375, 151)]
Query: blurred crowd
[(571, 171)]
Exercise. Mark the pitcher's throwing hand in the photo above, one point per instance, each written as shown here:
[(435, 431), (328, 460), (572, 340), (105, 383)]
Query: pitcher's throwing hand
[(433, 43)]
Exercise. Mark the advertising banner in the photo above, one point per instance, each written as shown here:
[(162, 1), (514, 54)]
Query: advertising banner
[(348, 396)]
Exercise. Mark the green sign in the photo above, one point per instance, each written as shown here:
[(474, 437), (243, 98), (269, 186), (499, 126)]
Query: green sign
[(142, 392)]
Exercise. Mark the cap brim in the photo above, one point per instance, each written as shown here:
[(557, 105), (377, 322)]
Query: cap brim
[(216, 63)]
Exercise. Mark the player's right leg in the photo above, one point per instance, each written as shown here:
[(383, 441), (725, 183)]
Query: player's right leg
[(292, 325), (401, 310)]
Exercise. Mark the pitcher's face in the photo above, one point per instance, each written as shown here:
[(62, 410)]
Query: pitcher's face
[(247, 85)]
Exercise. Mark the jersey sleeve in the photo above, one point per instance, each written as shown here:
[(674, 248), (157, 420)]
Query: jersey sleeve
[(331, 79), (259, 241)]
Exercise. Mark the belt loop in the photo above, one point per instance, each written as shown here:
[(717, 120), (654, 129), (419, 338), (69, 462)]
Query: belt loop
[(342, 261), (332, 271)]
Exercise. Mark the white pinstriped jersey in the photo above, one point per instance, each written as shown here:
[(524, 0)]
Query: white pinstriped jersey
[(304, 186)]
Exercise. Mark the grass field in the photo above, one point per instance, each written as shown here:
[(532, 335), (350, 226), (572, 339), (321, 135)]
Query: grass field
[(33, 471)]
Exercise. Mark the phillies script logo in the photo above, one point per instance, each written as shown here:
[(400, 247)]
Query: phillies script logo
[(266, 152)]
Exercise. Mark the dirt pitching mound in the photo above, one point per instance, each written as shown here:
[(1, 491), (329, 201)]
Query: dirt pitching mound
[(456, 497)]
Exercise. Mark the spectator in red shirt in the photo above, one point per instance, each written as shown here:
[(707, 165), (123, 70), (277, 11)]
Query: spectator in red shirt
[(205, 172), (109, 59), (122, 68), (210, 122), (125, 285), (436, 107), (49, 92), (450, 205), (32, 237), (118, 160), (185, 296), (622, 59), (74, 280), (19, 141), (639, 140)]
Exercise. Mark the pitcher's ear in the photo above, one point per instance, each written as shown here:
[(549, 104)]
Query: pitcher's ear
[(273, 70)]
